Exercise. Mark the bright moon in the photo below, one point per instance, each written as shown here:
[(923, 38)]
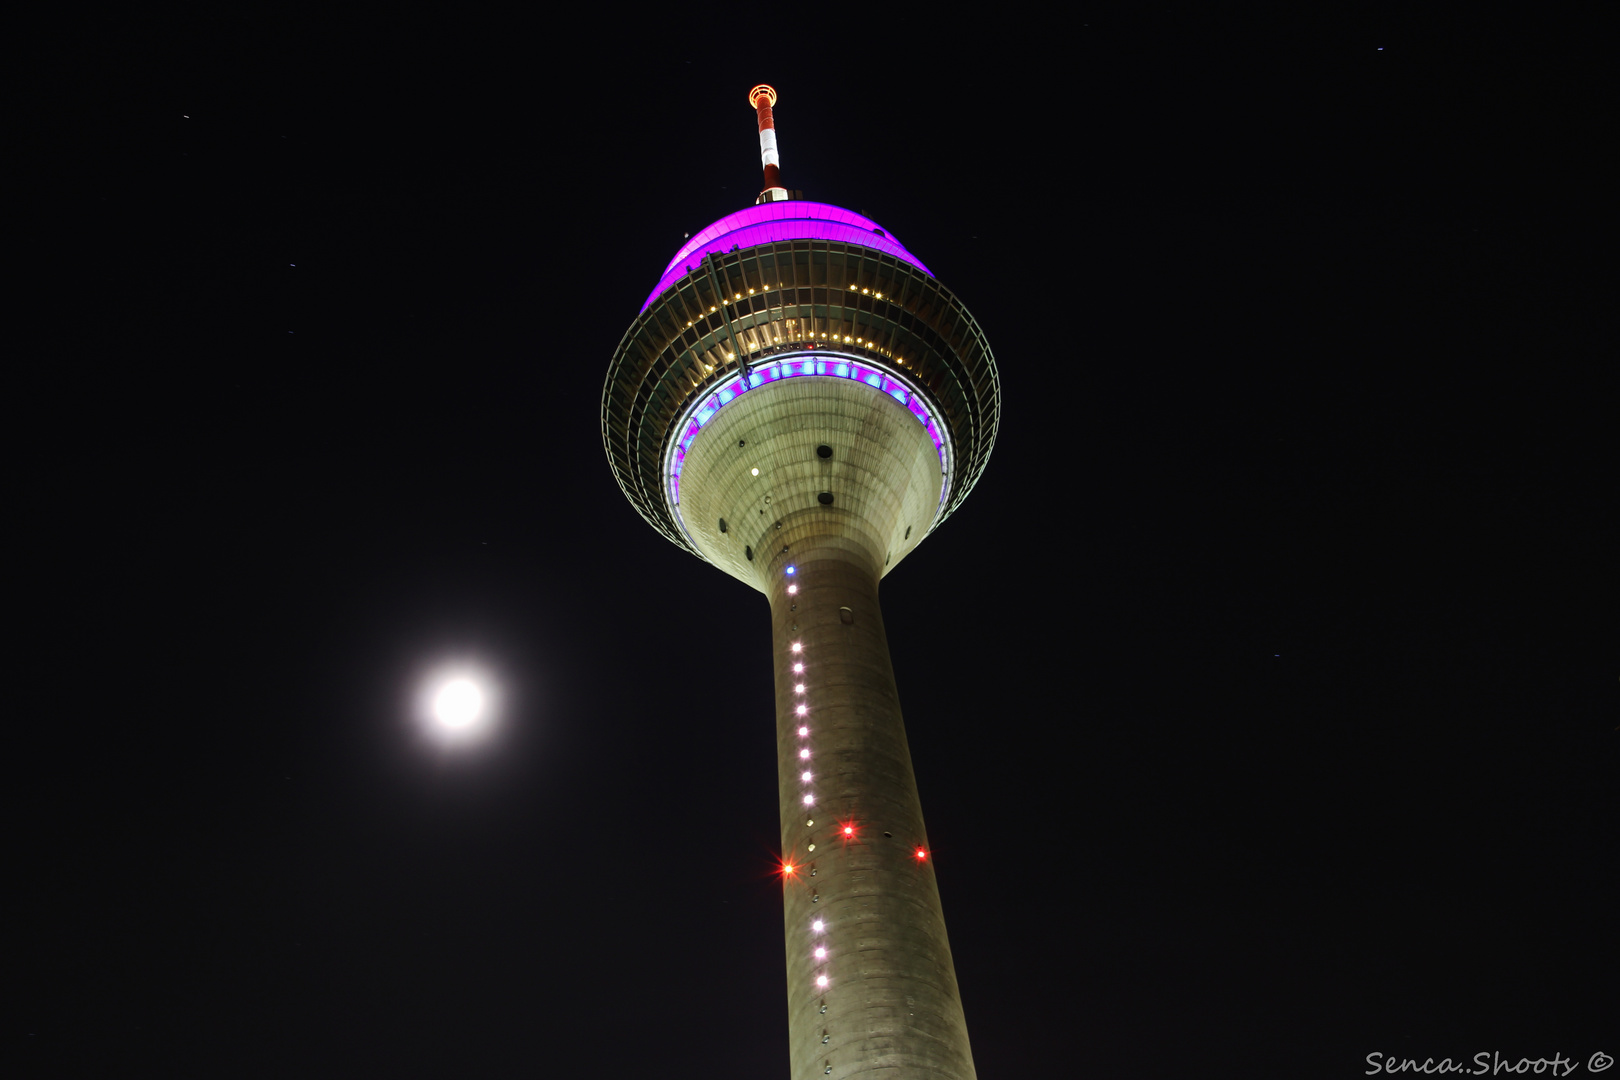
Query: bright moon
[(458, 703)]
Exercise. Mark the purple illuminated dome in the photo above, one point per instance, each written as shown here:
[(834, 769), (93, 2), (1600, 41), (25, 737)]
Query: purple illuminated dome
[(770, 222), (788, 290)]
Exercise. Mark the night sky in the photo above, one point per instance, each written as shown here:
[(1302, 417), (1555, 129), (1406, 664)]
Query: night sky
[(1262, 695)]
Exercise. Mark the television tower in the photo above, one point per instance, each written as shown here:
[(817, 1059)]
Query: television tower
[(800, 403)]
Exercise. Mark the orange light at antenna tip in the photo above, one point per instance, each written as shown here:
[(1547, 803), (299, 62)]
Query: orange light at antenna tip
[(762, 88)]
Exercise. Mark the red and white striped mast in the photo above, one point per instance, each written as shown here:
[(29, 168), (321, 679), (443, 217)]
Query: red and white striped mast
[(762, 97)]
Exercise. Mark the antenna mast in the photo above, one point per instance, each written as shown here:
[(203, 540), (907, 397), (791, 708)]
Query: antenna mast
[(762, 97)]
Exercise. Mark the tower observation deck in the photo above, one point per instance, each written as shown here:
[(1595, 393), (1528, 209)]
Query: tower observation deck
[(800, 402)]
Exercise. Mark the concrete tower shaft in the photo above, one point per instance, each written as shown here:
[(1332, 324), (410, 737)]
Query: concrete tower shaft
[(872, 989), (808, 487), (819, 481)]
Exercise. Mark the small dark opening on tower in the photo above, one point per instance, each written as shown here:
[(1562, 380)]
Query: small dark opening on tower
[(823, 451), (722, 524), (748, 551), (825, 498), (908, 533), (846, 616), (741, 443)]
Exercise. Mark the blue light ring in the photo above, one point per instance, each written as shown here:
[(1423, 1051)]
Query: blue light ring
[(824, 358)]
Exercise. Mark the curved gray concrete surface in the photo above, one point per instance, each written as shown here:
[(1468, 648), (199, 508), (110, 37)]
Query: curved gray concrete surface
[(890, 1007)]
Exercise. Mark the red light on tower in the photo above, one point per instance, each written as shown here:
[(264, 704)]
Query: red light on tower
[(922, 856), (788, 869), (846, 830)]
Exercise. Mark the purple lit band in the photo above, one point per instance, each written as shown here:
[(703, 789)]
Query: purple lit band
[(773, 221), (833, 365)]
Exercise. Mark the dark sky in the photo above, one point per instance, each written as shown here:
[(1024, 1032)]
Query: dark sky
[(1262, 695)]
